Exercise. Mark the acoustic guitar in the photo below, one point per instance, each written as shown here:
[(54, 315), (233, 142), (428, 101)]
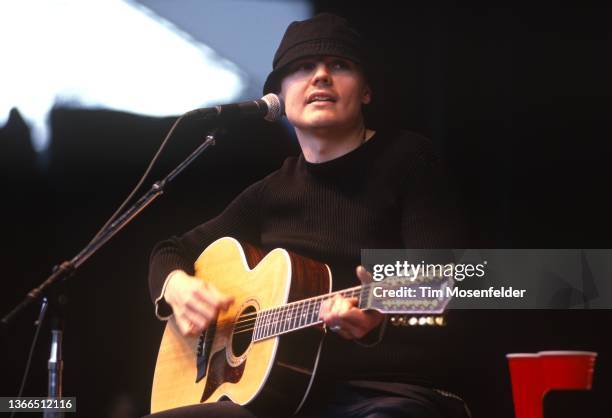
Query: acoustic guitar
[(263, 351)]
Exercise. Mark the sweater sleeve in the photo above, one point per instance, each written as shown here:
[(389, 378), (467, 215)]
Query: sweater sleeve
[(240, 219)]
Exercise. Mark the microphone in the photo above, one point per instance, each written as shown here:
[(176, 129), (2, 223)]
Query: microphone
[(270, 107)]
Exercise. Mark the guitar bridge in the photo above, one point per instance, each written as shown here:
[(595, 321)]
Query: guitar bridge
[(203, 350)]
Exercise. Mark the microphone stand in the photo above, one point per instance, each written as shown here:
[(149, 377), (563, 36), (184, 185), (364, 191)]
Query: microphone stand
[(68, 268), (56, 368)]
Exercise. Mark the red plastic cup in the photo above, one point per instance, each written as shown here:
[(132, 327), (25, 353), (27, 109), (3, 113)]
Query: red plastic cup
[(527, 384), (567, 370)]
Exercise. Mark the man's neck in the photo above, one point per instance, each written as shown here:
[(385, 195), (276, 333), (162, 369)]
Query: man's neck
[(325, 144)]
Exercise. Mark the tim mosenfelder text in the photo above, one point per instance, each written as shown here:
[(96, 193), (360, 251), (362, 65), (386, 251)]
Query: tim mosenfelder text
[(448, 292)]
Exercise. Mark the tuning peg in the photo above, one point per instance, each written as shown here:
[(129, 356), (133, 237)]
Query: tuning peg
[(404, 320)]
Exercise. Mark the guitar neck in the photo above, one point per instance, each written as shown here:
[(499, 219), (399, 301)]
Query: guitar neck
[(299, 314)]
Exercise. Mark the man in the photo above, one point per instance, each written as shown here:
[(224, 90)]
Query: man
[(351, 188)]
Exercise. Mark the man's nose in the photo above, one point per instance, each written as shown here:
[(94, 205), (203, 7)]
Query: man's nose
[(322, 74)]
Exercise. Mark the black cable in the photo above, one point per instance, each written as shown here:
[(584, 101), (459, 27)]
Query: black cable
[(141, 181), (39, 322)]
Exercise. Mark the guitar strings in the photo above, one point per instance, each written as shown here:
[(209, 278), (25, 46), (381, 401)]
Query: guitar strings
[(275, 321), (296, 304), (278, 323), (294, 311), (293, 306), (246, 325)]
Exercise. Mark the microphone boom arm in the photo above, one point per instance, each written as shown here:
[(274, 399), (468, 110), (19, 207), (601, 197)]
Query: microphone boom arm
[(68, 268)]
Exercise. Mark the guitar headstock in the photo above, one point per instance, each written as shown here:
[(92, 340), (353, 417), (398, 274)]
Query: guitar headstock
[(425, 296)]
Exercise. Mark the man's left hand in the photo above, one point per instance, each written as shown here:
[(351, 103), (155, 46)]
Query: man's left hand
[(342, 316)]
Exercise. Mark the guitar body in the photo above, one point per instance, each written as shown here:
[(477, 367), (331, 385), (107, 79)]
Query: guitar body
[(270, 374)]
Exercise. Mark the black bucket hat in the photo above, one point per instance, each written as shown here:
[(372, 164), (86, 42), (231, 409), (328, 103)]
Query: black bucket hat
[(324, 34)]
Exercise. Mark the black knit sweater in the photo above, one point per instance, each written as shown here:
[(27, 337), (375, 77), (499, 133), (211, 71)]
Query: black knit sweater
[(388, 193)]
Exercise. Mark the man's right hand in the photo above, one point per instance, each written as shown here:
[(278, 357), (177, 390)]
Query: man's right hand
[(194, 303)]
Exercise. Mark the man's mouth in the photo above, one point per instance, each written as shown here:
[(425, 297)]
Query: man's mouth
[(320, 97)]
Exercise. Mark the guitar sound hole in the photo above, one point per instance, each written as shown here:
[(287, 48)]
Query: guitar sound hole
[(243, 331)]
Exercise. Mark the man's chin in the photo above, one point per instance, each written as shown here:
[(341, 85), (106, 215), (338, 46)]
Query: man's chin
[(323, 122)]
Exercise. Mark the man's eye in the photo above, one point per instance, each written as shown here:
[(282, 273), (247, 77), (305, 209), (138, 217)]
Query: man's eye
[(339, 65), (306, 66)]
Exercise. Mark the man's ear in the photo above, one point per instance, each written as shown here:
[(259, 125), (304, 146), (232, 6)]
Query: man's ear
[(367, 95)]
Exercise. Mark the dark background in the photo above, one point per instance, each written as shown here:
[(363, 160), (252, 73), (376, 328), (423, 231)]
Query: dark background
[(516, 99)]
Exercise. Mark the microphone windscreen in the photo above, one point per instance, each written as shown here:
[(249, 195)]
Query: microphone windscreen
[(276, 107)]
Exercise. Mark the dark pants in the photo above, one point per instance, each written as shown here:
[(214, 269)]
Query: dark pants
[(346, 401)]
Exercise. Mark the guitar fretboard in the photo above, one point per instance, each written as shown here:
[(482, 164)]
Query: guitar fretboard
[(296, 315)]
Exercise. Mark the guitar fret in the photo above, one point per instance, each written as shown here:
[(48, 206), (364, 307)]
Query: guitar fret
[(268, 319), (262, 325), (268, 322), (303, 304), (291, 317), (274, 323), (284, 319), (315, 311), (255, 329), (307, 312), (279, 323), (281, 320), (264, 319), (295, 316), (287, 320)]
